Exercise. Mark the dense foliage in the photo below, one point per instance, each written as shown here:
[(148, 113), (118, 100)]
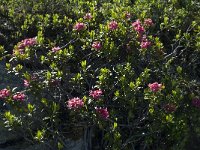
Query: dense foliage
[(122, 74)]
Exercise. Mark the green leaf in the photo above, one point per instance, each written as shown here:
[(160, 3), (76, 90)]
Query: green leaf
[(40, 135), (114, 125), (59, 73), (83, 65), (132, 85), (151, 110), (179, 69), (48, 75), (27, 76), (169, 118), (44, 101), (166, 19), (55, 107), (8, 66), (117, 93), (30, 107), (60, 146)]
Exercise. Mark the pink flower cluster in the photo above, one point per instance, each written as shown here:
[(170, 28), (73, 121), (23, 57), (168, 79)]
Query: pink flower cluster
[(196, 102), (138, 27), (113, 25), (96, 94), (103, 112), (145, 43), (88, 16), (155, 87), (79, 26), (169, 108), (19, 96), (96, 45), (148, 22), (4, 93), (27, 42), (55, 49), (75, 103)]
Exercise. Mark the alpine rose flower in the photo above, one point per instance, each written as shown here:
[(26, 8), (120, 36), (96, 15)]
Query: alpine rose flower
[(155, 87), (88, 16), (196, 102), (145, 44), (79, 26), (26, 83), (19, 96), (103, 112), (55, 49), (4, 93), (75, 103), (148, 22), (137, 26), (113, 25), (136, 23), (27, 42), (96, 45), (23, 44), (96, 93)]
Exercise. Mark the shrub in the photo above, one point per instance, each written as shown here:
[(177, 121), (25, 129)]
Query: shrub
[(117, 68)]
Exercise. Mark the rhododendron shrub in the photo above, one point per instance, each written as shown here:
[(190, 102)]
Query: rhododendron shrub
[(113, 74)]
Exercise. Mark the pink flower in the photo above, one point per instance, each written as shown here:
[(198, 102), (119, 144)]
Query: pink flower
[(155, 87), (27, 42), (75, 103), (55, 49), (148, 22), (26, 83), (137, 26), (136, 23), (96, 93), (169, 108), (103, 112), (196, 102), (19, 96), (140, 29), (96, 45), (88, 16), (79, 26), (23, 44), (113, 25), (4, 93), (145, 44)]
